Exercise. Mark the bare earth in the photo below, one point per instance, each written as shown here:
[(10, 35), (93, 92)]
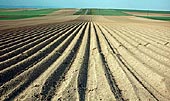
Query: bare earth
[(58, 16), (147, 14), (85, 58), (64, 12)]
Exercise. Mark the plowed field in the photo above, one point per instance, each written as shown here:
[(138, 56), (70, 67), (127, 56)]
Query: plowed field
[(89, 58)]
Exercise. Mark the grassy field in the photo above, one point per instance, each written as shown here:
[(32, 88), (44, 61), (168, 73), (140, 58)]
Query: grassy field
[(144, 11), (107, 12), (165, 18), (156, 17), (6, 15), (81, 12)]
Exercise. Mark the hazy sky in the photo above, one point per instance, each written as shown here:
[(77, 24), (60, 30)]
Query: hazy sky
[(133, 4)]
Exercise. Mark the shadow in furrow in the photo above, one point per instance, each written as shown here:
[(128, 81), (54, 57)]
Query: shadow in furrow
[(112, 83), (51, 84), (38, 71), (11, 73), (107, 41), (45, 40), (82, 77), (121, 60), (23, 33), (16, 49), (119, 57)]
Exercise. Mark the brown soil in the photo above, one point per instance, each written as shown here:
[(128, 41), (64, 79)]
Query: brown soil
[(63, 12), (3, 16), (53, 17), (85, 58)]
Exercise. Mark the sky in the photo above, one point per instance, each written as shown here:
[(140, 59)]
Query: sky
[(116, 4)]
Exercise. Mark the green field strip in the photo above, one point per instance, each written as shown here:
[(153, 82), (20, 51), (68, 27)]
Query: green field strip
[(104, 12), (80, 12), (144, 11), (156, 18), (25, 14)]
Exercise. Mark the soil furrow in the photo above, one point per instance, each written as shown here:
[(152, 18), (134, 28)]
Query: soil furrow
[(155, 36), (143, 44), (48, 90), (120, 59), (115, 89), (15, 86), (31, 44), (84, 58), (127, 89), (97, 80), (18, 39), (16, 35), (26, 31), (149, 85), (33, 50), (82, 76), (50, 72), (150, 40), (154, 64), (68, 90), (147, 44), (32, 35), (142, 49), (28, 62)]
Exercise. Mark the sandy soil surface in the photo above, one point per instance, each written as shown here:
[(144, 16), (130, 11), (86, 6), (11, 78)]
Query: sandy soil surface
[(86, 58), (64, 12), (58, 16), (34, 21), (137, 21), (145, 14)]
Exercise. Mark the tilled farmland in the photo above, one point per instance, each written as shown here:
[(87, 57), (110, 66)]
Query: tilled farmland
[(91, 58)]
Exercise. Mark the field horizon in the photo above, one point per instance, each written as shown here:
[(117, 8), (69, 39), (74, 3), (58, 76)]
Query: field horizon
[(38, 12), (86, 54)]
